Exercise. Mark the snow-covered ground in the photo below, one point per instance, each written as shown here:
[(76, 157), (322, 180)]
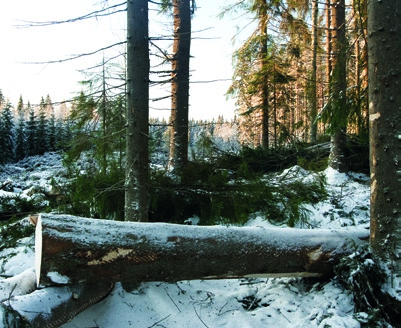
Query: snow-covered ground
[(279, 302)]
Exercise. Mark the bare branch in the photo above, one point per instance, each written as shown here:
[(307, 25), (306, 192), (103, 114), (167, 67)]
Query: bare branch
[(161, 98), (101, 64), (77, 56), (210, 81), (94, 14), (165, 56)]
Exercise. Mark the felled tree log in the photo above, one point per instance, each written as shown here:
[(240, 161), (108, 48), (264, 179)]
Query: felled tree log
[(88, 250)]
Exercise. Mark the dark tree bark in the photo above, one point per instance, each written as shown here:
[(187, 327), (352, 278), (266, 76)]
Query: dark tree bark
[(137, 153), (385, 132), (180, 84), (338, 160), (89, 250)]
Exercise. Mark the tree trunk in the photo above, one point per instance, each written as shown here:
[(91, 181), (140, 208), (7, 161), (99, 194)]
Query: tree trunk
[(265, 82), (338, 119), (88, 250), (137, 166), (328, 54), (274, 101), (180, 84), (385, 133), (328, 44), (312, 91)]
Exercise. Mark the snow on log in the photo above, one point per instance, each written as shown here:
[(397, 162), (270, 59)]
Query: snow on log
[(74, 249)]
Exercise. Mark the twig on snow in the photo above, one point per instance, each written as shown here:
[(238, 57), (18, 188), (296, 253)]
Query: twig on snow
[(200, 317), (172, 300), (159, 321)]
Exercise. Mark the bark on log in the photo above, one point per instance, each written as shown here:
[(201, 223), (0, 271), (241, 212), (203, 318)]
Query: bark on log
[(88, 250)]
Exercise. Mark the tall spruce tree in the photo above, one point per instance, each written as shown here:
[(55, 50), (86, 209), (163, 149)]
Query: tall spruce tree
[(262, 80), (137, 149), (385, 134), (31, 132), (180, 83), (338, 104), (263, 19), (51, 133), (358, 121), (6, 134), (51, 125), (41, 131), (313, 76), (59, 140), (20, 138)]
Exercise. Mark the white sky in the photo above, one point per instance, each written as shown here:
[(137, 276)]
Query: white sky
[(212, 56)]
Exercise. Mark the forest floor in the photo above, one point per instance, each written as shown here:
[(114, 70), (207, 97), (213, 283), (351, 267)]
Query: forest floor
[(261, 302)]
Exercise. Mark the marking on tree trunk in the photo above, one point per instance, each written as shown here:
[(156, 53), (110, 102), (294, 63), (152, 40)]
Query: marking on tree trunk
[(122, 253)]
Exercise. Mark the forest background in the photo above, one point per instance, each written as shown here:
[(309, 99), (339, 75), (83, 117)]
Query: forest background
[(288, 84), (212, 48), (300, 78)]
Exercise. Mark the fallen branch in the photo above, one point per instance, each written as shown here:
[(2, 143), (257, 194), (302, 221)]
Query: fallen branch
[(4, 184), (4, 216)]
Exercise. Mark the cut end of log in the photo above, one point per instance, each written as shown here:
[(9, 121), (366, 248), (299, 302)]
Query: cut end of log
[(38, 248), (33, 219)]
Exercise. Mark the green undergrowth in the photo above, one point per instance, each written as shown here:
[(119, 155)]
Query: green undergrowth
[(224, 190), (17, 203), (362, 274), (18, 206), (277, 159), (95, 194), (12, 231), (218, 192), (311, 159)]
